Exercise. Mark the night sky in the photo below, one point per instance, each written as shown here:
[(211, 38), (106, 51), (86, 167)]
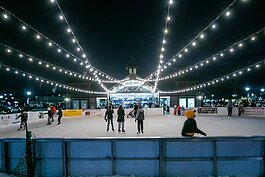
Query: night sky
[(116, 33)]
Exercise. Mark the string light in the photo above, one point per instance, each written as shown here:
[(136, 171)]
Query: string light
[(47, 81), (230, 49), (44, 63), (49, 40), (202, 33), (222, 78), (79, 49), (163, 45)]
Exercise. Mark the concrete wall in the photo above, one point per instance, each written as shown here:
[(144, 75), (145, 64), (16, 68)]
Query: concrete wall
[(219, 156)]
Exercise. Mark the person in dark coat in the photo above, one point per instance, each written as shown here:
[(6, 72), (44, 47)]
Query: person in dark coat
[(50, 116), (23, 120), (60, 115), (178, 109), (109, 117), (190, 125), (140, 120), (120, 119)]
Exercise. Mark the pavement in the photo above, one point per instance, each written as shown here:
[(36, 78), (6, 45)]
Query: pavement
[(157, 126)]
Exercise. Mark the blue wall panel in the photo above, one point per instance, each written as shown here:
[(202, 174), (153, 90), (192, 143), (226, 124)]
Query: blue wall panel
[(49, 149), (137, 148), (49, 168), (16, 149), (189, 149), (89, 149), (137, 167), (240, 168), (239, 148), (189, 168), (89, 168)]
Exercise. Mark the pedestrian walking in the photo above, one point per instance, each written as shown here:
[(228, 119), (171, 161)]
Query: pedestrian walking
[(109, 117), (60, 115), (140, 120), (23, 120), (120, 119), (190, 125)]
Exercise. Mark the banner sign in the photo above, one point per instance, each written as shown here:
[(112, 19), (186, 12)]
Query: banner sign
[(254, 111), (207, 110)]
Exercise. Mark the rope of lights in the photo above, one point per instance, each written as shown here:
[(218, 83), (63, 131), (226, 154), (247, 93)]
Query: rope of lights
[(219, 55), (234, 74), (43, 80), (193, 43), (48, 65), (74, 39), (170, 2), (24, 27)]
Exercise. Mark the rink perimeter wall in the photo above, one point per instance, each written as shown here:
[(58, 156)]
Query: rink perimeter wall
[(210, 156)]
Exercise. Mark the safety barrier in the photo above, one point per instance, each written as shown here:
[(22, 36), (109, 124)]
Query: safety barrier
[(210, 156)]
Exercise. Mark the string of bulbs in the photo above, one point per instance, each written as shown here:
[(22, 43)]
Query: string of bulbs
[(50, 43), (239, 72), (219, 55), (46, 64), (168, 18), (44, 80), (194, 42)]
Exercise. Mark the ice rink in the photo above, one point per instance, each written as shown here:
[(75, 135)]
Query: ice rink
[(159, 126)]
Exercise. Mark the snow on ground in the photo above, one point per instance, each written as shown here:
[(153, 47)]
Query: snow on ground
[(158, 126)]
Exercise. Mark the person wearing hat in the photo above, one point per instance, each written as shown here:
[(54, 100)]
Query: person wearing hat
[(190, 125)]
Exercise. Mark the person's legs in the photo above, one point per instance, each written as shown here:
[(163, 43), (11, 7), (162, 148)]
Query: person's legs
[(138, 126), (108, 125), (119, 126), (112, 124), (122, 125), (142, 126)]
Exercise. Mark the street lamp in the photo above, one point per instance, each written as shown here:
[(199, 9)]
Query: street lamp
[(247, 89), (28, 93), (262, 90)]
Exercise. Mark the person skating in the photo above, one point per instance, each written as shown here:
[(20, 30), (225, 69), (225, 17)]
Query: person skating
[(190, 125), (140, 120), (50, 116), (60, 115), (23, 119), (229, 108), (120, 119), (109, 117)]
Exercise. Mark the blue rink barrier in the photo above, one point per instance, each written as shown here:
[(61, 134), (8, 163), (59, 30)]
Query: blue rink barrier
[(209, 156)]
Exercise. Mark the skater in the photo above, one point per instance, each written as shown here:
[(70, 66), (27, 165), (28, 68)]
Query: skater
[(120, 119), (140, 120), (109, 117), (229, 108), (178, 109), (23, 120), (60, 114), (190, 125), (50, 116), (53, 108)]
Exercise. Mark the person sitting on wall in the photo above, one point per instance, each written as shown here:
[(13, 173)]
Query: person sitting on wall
[(190, 125)]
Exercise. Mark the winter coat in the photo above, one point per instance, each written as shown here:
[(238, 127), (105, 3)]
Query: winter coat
[(121, 115), (109, 113), (23, 116), (140, 114), (190, 127), (60, 113)]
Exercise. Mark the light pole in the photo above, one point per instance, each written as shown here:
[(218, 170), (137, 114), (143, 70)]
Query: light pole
[(28, 94), (247, 89)]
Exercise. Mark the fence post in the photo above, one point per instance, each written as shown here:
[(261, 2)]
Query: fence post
[(113, 156), (6, 159), (161, 157), (65, 157), (215, 165)]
